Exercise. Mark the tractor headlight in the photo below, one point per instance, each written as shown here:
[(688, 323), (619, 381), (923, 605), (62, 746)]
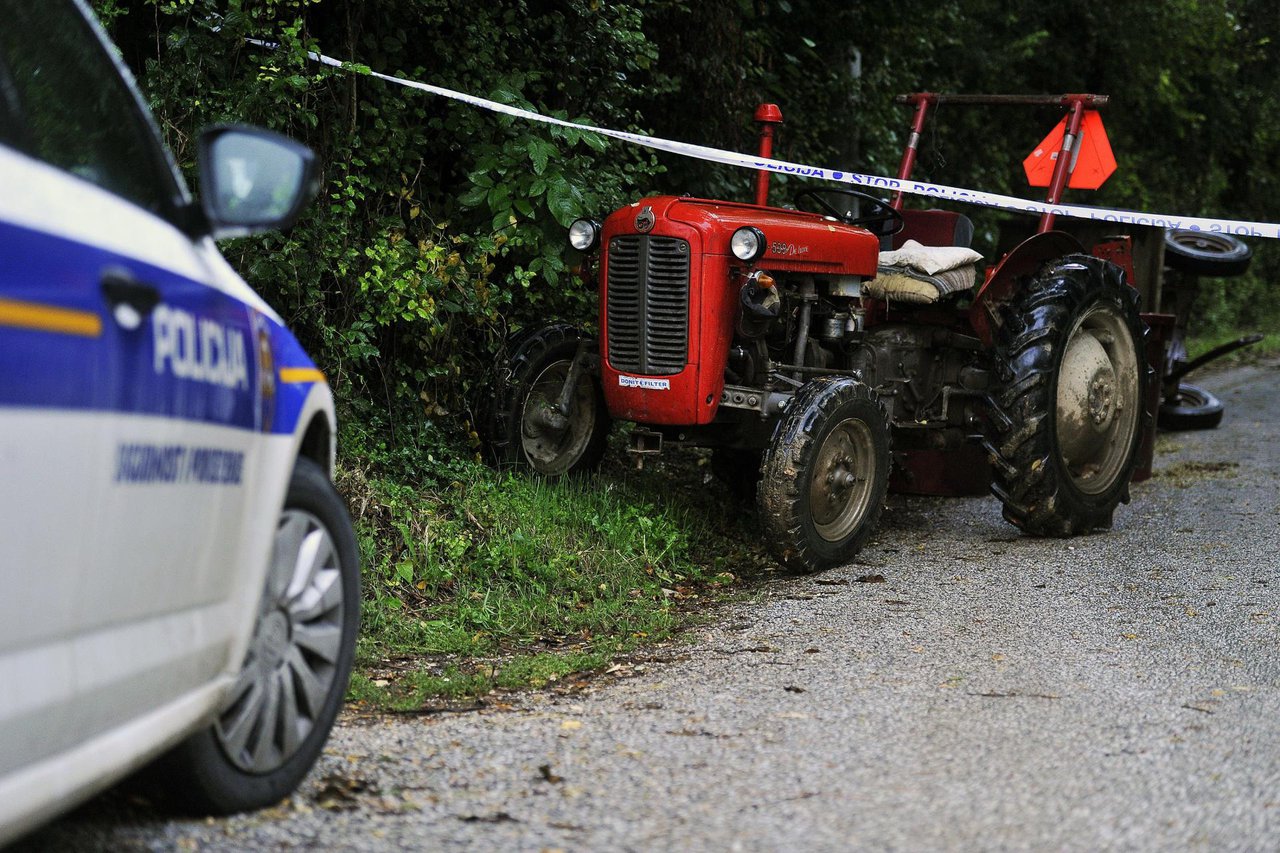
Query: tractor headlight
[(747, 243), (584, 235)]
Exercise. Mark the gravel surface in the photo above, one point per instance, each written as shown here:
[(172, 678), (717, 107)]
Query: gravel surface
[(1113, 691)]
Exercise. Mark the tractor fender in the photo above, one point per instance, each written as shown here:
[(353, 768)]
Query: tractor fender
[(1003, 279)]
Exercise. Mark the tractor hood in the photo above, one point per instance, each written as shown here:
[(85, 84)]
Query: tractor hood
[(797, 241)]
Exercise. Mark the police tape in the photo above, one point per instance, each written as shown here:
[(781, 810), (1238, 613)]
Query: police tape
[(935, 191)]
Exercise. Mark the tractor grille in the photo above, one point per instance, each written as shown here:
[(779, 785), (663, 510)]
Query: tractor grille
[(648, 304)]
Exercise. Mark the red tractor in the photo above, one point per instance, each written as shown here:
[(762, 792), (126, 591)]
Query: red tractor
[(828, 351)]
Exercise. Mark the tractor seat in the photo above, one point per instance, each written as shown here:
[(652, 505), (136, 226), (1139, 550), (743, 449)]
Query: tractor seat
[(933, 228), (923, 274)]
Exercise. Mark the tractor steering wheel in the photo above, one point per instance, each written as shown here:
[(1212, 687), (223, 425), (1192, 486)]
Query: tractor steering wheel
[(884, 215)]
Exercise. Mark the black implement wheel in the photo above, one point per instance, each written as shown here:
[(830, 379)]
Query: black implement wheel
[(529, 429), (825, 474), (1205, 253), (1072, 381), (1191, 407), (276, 718), (884, 219)]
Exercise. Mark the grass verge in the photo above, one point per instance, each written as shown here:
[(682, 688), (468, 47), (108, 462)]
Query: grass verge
[(1267, 347), (498, 580)]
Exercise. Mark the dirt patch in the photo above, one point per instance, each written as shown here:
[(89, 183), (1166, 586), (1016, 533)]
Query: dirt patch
[(1185, 474)]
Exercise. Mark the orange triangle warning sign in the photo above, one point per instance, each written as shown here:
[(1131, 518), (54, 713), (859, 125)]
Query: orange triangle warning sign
[(1094, 161)]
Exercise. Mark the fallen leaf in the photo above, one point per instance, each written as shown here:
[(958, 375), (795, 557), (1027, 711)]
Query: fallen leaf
[(339, 793)]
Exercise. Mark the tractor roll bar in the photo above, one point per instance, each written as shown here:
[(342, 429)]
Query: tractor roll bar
[(1077, 103), (1094, 101)]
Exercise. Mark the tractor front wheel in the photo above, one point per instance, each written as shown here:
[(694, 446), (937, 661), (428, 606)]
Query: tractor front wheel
[(532, 426), (1073, 382), (825, 474)]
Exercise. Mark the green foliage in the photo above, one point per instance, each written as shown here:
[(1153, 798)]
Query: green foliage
[(493, 580), (439, 226), (502, 559)]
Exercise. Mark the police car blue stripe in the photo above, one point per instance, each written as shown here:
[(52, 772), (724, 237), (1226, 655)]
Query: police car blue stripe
[(198, 355)]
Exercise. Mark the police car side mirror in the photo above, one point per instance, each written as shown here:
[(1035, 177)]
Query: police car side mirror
[(253, 180)]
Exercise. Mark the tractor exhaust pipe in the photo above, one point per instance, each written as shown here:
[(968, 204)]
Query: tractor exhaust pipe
[(767, 115)]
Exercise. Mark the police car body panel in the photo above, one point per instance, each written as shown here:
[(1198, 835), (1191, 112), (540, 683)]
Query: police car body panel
[(154, 412)]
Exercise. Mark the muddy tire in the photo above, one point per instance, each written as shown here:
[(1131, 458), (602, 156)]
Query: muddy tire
[(1072, 379), (825, 474), (525, 430), (1191, 408)]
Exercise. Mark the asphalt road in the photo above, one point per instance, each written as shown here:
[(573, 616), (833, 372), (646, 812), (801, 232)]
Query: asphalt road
[(1118, 691)]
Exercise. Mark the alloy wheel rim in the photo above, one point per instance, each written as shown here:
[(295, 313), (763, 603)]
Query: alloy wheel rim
[(290, 669)]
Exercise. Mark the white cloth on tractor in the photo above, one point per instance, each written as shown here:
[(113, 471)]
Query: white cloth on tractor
[(922, 274)]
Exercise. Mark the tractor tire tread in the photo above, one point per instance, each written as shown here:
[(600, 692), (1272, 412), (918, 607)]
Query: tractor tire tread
[(1036, 495)]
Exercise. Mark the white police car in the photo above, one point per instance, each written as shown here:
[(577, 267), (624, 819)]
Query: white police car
[(180, 578)]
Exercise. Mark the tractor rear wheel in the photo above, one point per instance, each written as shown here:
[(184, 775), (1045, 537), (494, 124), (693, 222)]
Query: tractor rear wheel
[(1073, 382), (825, 474), (528, 428)]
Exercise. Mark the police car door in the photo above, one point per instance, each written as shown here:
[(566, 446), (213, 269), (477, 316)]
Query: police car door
[(129, 391)]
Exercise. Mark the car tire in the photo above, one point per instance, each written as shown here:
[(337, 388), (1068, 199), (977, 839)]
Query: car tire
[(271, 728)]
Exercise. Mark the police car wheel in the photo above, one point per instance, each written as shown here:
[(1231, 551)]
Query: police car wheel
[(277, 717)]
